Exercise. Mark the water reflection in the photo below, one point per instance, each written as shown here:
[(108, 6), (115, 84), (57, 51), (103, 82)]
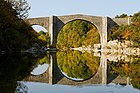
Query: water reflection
[(7, 87), (42, 65), (66, 68), (127, 69), (77, 65), (40, 69), (15, 67), (21, 88)]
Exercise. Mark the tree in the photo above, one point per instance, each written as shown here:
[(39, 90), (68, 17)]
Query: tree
[(15, 33), (136, 19), (21, 7), (121, 16), (77, 33)]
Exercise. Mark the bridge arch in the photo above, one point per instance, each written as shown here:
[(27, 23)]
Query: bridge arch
[(43, 21), (97, 21), (57, 22), (82, 31), (54, 23), (39, 28), (83, 19)]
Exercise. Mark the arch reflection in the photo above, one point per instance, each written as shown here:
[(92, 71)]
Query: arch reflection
[(76, 65)]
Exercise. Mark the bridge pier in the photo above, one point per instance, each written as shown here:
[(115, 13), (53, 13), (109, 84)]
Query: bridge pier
[(103, 33), (51, 30), (54, 72), (51, 70), (103, 62)]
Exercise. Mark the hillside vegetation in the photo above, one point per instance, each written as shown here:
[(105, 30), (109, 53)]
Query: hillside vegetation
[(127, 32)]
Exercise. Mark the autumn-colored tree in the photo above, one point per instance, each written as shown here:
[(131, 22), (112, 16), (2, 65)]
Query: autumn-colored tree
[(136, 19), (77, 33), (127, 32)]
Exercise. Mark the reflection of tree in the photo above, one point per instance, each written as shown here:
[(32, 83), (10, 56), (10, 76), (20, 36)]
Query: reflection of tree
[(77, 65), (44, 59), (21, 88), (7, 87), (77, 33), (135, 73), (15, 67), (127, 69), (136, 82)]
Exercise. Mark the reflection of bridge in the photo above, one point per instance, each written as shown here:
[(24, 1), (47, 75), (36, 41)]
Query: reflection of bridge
[(54, 76), (54, 24)]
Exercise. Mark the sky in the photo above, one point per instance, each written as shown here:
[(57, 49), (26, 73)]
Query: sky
[(110, 8)]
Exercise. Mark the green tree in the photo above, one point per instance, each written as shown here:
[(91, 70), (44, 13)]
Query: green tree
[(44, 38), (121, 16), (15, 33), (21, 7)]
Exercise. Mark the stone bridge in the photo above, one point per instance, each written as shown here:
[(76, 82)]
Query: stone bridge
[(54, 24)]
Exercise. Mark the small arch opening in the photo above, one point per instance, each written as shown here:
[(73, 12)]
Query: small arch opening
[(39, 28), (43, 35)]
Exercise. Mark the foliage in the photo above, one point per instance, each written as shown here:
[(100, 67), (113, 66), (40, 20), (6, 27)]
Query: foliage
[(21, 7), (120, 68), (44, 59), (136, 19), (77, 33), (44, 38), (136, 82), (78, 65), (121, 16), (125, 32), (15, 34), (127, 69)]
